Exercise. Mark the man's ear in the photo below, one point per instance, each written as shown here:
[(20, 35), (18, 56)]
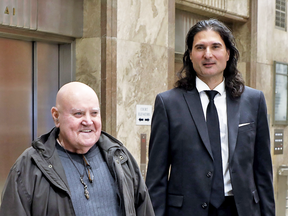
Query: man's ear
[(55, 116), (190, 56), (228, 54)]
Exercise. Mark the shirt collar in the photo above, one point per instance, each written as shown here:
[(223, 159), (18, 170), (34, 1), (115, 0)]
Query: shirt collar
[(202, 86)]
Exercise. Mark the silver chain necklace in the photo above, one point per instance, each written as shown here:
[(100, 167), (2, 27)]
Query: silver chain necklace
[(86, 192)]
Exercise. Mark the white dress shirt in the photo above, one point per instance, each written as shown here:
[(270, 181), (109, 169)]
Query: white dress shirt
[(221, 106)]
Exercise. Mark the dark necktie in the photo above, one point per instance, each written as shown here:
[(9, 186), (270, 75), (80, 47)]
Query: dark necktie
[(217, 192)]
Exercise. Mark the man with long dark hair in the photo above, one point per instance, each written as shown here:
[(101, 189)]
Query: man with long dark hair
[(209, 151)]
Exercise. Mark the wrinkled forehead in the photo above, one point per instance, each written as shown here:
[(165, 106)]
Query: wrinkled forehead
[(89, 109)]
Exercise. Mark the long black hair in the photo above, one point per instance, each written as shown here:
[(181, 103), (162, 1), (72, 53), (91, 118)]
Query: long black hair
[(234, 82)]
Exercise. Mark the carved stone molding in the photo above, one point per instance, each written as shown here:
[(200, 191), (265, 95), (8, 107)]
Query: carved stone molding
[(211, 8)]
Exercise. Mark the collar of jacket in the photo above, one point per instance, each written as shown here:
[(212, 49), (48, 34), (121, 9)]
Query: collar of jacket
[(45, 144), (111, 149)]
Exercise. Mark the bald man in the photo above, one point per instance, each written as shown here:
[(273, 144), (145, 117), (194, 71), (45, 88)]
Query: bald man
[(76, 169)]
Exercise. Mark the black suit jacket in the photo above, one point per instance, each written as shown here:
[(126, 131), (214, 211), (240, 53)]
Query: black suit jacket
[(181, 161)]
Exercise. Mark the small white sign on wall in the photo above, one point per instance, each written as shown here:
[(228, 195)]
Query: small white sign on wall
[(143, 114)]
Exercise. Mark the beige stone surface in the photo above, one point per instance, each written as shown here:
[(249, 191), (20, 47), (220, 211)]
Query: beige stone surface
[(88, 63), (242, 68), (264, 82), (143, 21), (264, 36), (91, 18), (242, 36), (238, 7), (222, 9), (141, 74)]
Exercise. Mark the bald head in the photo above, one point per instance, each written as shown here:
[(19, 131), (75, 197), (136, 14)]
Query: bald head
[(72, 91), (77, 115)]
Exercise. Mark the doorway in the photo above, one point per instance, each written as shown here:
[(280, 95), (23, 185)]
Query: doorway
[(30, 76)]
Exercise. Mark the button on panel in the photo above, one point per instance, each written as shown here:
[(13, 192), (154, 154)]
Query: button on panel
[(204, 205), (209, 174)]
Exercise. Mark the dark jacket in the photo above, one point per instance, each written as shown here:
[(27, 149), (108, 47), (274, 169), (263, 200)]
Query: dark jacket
[(181, 166), (37, 184)]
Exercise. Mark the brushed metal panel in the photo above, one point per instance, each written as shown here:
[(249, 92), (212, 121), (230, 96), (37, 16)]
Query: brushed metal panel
[(29, 11), (15, 102), (5, 18), (46, 75), (67, 63), (63, 17), (19, 13)]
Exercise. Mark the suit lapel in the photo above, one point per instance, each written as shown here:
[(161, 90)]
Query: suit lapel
[(233, 116), (193, 101)]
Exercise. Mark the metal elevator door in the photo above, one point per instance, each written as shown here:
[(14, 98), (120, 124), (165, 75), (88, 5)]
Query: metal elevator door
[(46, 84), (29, 74)]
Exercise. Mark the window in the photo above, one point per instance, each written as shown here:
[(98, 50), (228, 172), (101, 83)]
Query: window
[(280, 93), (280, 20)]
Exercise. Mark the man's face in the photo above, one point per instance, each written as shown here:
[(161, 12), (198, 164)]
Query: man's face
[(79, 121), (209, 56)]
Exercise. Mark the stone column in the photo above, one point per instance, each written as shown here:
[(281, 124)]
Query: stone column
[(108, 65), (96, 56), (145, 62), (88, 48), (127, 55)]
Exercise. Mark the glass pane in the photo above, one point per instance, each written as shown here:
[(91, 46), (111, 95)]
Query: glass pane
[(277, 6), (281, 98), (283, 6), (281, 69), (280, 19)]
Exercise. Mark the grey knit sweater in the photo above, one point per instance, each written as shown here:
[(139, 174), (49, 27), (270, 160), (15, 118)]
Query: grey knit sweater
[(102, 191)]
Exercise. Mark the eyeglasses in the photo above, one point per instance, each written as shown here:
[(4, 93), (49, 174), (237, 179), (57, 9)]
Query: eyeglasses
[(88, 170)]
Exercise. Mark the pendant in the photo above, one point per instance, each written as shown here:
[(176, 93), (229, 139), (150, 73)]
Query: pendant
[(86, 192)]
